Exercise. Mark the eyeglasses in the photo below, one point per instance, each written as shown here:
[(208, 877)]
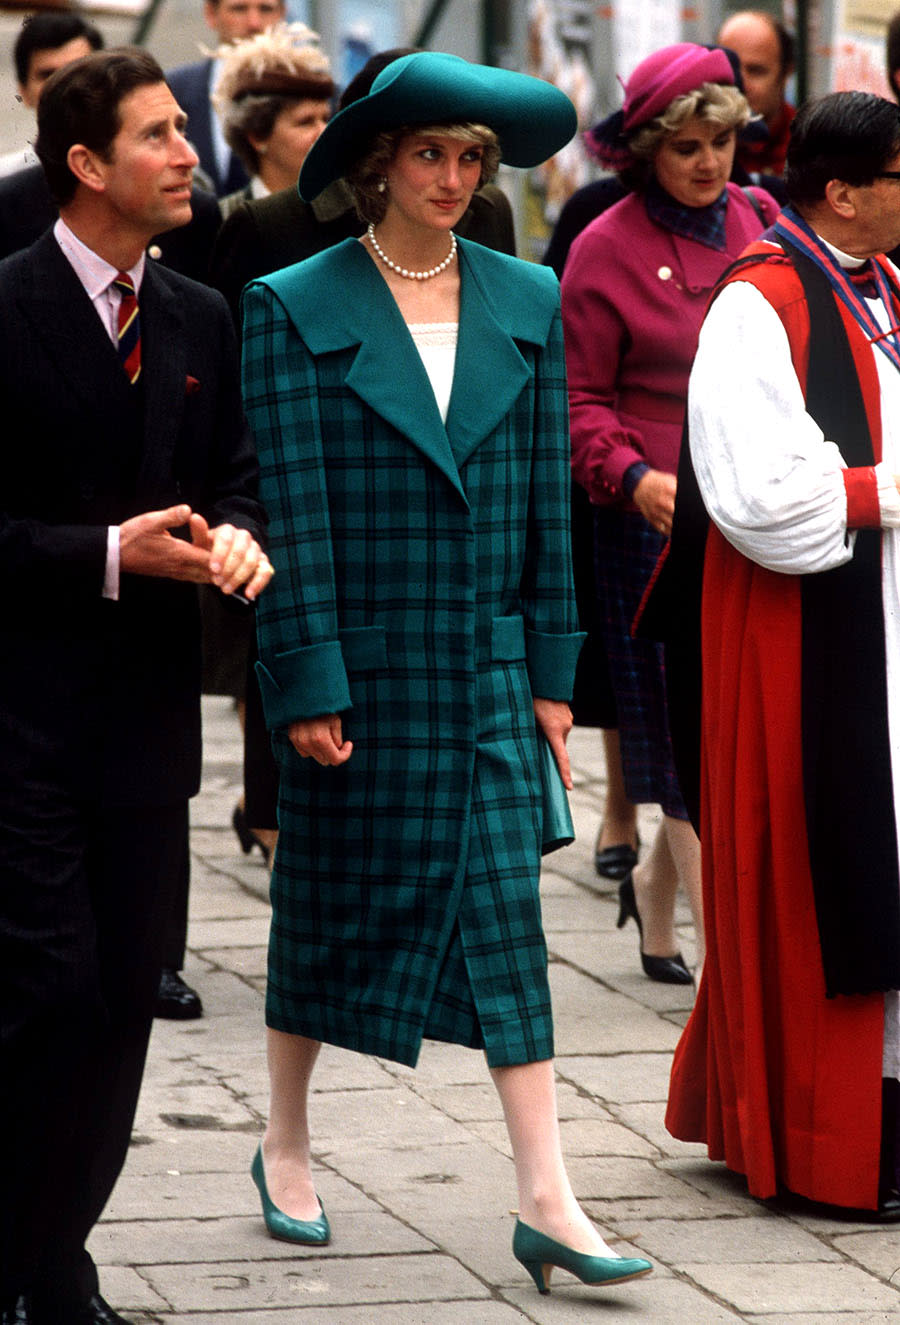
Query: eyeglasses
[(888, 174)]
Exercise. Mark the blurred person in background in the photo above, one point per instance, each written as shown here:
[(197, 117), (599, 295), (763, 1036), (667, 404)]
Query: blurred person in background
[(47, 42), (194, 85), (274, 99), (765, 49)]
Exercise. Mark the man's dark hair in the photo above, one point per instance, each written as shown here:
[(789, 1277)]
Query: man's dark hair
[(80, 104), (47, 32), (892, 53), (849, 136)]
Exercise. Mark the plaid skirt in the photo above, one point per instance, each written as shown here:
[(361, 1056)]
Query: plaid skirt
[(626, 550)]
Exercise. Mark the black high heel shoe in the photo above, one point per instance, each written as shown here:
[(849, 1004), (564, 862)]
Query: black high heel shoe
[(618, 861), (246, 835), (666, 970)]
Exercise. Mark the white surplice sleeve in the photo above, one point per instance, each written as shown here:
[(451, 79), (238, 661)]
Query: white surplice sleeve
[(770, 480)]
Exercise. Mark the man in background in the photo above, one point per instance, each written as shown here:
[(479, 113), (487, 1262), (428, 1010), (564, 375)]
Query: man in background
[(194, 84), (765, 50), (46, 43)]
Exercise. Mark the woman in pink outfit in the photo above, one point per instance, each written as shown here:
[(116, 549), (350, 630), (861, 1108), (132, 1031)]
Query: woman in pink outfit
[(635, 289)]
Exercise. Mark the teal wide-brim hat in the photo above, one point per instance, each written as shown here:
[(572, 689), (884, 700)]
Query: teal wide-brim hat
[(531, 118)]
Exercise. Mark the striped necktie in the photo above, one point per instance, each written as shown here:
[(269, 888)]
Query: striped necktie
[(129, 332)]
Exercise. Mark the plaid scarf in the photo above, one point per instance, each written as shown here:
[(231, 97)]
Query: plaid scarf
[(706, 225)]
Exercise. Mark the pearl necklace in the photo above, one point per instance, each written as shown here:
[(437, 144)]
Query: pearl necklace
[(403, 271)]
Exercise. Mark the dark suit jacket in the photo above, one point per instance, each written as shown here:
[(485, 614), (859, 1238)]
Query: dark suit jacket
[(264, 235), (27, 209), (190, 88), (100, 693)]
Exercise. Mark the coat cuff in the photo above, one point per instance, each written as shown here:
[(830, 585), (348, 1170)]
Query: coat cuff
[(863, 507), (551, 661), (304, 683), (610, 484)]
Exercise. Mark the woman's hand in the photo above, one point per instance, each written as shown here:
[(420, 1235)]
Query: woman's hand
[(654, 497), (555, 720), (320, 739)]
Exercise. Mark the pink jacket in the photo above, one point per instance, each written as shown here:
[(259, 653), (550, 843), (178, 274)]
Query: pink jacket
[(633, 299)]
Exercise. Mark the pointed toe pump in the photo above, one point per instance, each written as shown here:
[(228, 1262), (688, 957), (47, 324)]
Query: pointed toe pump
[(665, 970), (539, 1254), (307, 1232)]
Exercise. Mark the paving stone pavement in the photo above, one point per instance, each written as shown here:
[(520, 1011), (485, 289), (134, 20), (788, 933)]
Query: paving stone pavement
[(413, 1166)]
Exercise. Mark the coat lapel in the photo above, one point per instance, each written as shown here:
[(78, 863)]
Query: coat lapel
[(164, 376), (490, 370), (349, 304), (55, 302), (338, 299)]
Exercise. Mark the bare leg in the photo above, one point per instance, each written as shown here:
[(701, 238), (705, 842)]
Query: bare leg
[(655, 885), (546, 1200), (684, 846), (286, 1149), (619, 823), (267, 837)]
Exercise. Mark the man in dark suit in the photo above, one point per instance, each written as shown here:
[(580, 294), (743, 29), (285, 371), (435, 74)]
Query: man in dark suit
[(194, 84), (129, 476)]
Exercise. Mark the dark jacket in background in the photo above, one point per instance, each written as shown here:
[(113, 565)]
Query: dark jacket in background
[(27, 210), (190, 85)]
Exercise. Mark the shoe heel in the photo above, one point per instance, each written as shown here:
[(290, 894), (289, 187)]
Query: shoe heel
[(540, 1273), (627, 905), (244, 836)]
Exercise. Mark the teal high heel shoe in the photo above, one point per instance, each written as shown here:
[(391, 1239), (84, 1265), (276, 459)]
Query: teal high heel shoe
[(539, 1254), (308, 1232)]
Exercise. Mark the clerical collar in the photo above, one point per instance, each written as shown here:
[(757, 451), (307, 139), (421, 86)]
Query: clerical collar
[(705, 225), (797, 236)]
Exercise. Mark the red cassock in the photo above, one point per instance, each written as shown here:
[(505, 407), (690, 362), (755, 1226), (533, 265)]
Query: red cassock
[(780, 1082)]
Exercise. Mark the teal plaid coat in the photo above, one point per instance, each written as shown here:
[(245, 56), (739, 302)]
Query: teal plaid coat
[(422, 590)]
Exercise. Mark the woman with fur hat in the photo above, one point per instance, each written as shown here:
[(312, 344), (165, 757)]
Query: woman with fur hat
[(274, 97), (407, 392), (634, 291)]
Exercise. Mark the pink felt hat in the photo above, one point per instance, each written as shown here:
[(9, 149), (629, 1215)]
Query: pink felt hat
[(657, 81)]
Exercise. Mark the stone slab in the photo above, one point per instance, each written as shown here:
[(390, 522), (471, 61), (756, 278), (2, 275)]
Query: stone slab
[(760, 1288), (234, 1286), (733, 1241)]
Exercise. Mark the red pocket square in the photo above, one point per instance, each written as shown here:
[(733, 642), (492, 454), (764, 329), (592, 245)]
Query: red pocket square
[(191, 386)]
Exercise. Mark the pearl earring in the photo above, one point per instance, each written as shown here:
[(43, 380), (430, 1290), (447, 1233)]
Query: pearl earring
[(382, 185)]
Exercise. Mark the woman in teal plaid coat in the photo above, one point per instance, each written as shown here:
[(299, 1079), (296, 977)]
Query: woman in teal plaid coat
[(407, 392)]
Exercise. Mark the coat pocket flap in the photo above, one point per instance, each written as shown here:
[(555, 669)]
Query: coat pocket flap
[(364, 648)]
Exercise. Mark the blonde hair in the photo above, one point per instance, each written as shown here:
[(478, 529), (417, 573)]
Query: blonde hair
[(367, 173), (717, 103)]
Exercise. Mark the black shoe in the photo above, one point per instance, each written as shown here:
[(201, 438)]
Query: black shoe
[(99, 1312), (888, 1211), (615, 862), (176, 1001), (246, 835), (665, 970)]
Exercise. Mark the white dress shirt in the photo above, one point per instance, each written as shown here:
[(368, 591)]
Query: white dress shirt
[(96, 275)]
